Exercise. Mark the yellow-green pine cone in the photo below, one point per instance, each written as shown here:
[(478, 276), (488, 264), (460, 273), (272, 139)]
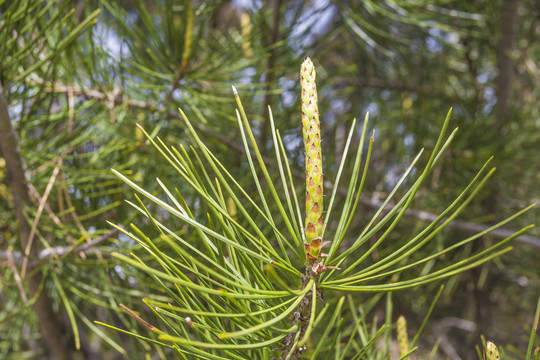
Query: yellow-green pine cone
[(492, 352), (402, 338), (312, 142)]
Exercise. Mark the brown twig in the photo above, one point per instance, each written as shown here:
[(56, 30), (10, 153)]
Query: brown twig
[(34, 193), (57, 251), (16, 276), (39, 211), (85, 248)]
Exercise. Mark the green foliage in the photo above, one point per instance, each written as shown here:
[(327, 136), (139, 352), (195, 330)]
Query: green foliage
[(234, 282), (78, 75)]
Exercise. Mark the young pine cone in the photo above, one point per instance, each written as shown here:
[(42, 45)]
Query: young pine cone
[(314, 175)]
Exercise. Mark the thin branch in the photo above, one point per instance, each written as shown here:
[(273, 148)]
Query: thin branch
[(16, 276), (464, 226), (55, 252), (16, 257), (85, 248), (42, 203), (233, 145), (34, 193)]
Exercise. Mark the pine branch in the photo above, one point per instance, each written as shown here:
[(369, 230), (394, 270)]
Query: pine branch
[(233, 145)]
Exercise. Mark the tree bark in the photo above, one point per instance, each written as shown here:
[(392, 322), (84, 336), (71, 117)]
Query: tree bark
[(51, 329)]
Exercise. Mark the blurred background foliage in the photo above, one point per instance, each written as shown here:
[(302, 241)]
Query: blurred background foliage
[(78, 75)]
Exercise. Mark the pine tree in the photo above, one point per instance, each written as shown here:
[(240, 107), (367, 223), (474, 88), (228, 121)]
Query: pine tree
[(249, 264)]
